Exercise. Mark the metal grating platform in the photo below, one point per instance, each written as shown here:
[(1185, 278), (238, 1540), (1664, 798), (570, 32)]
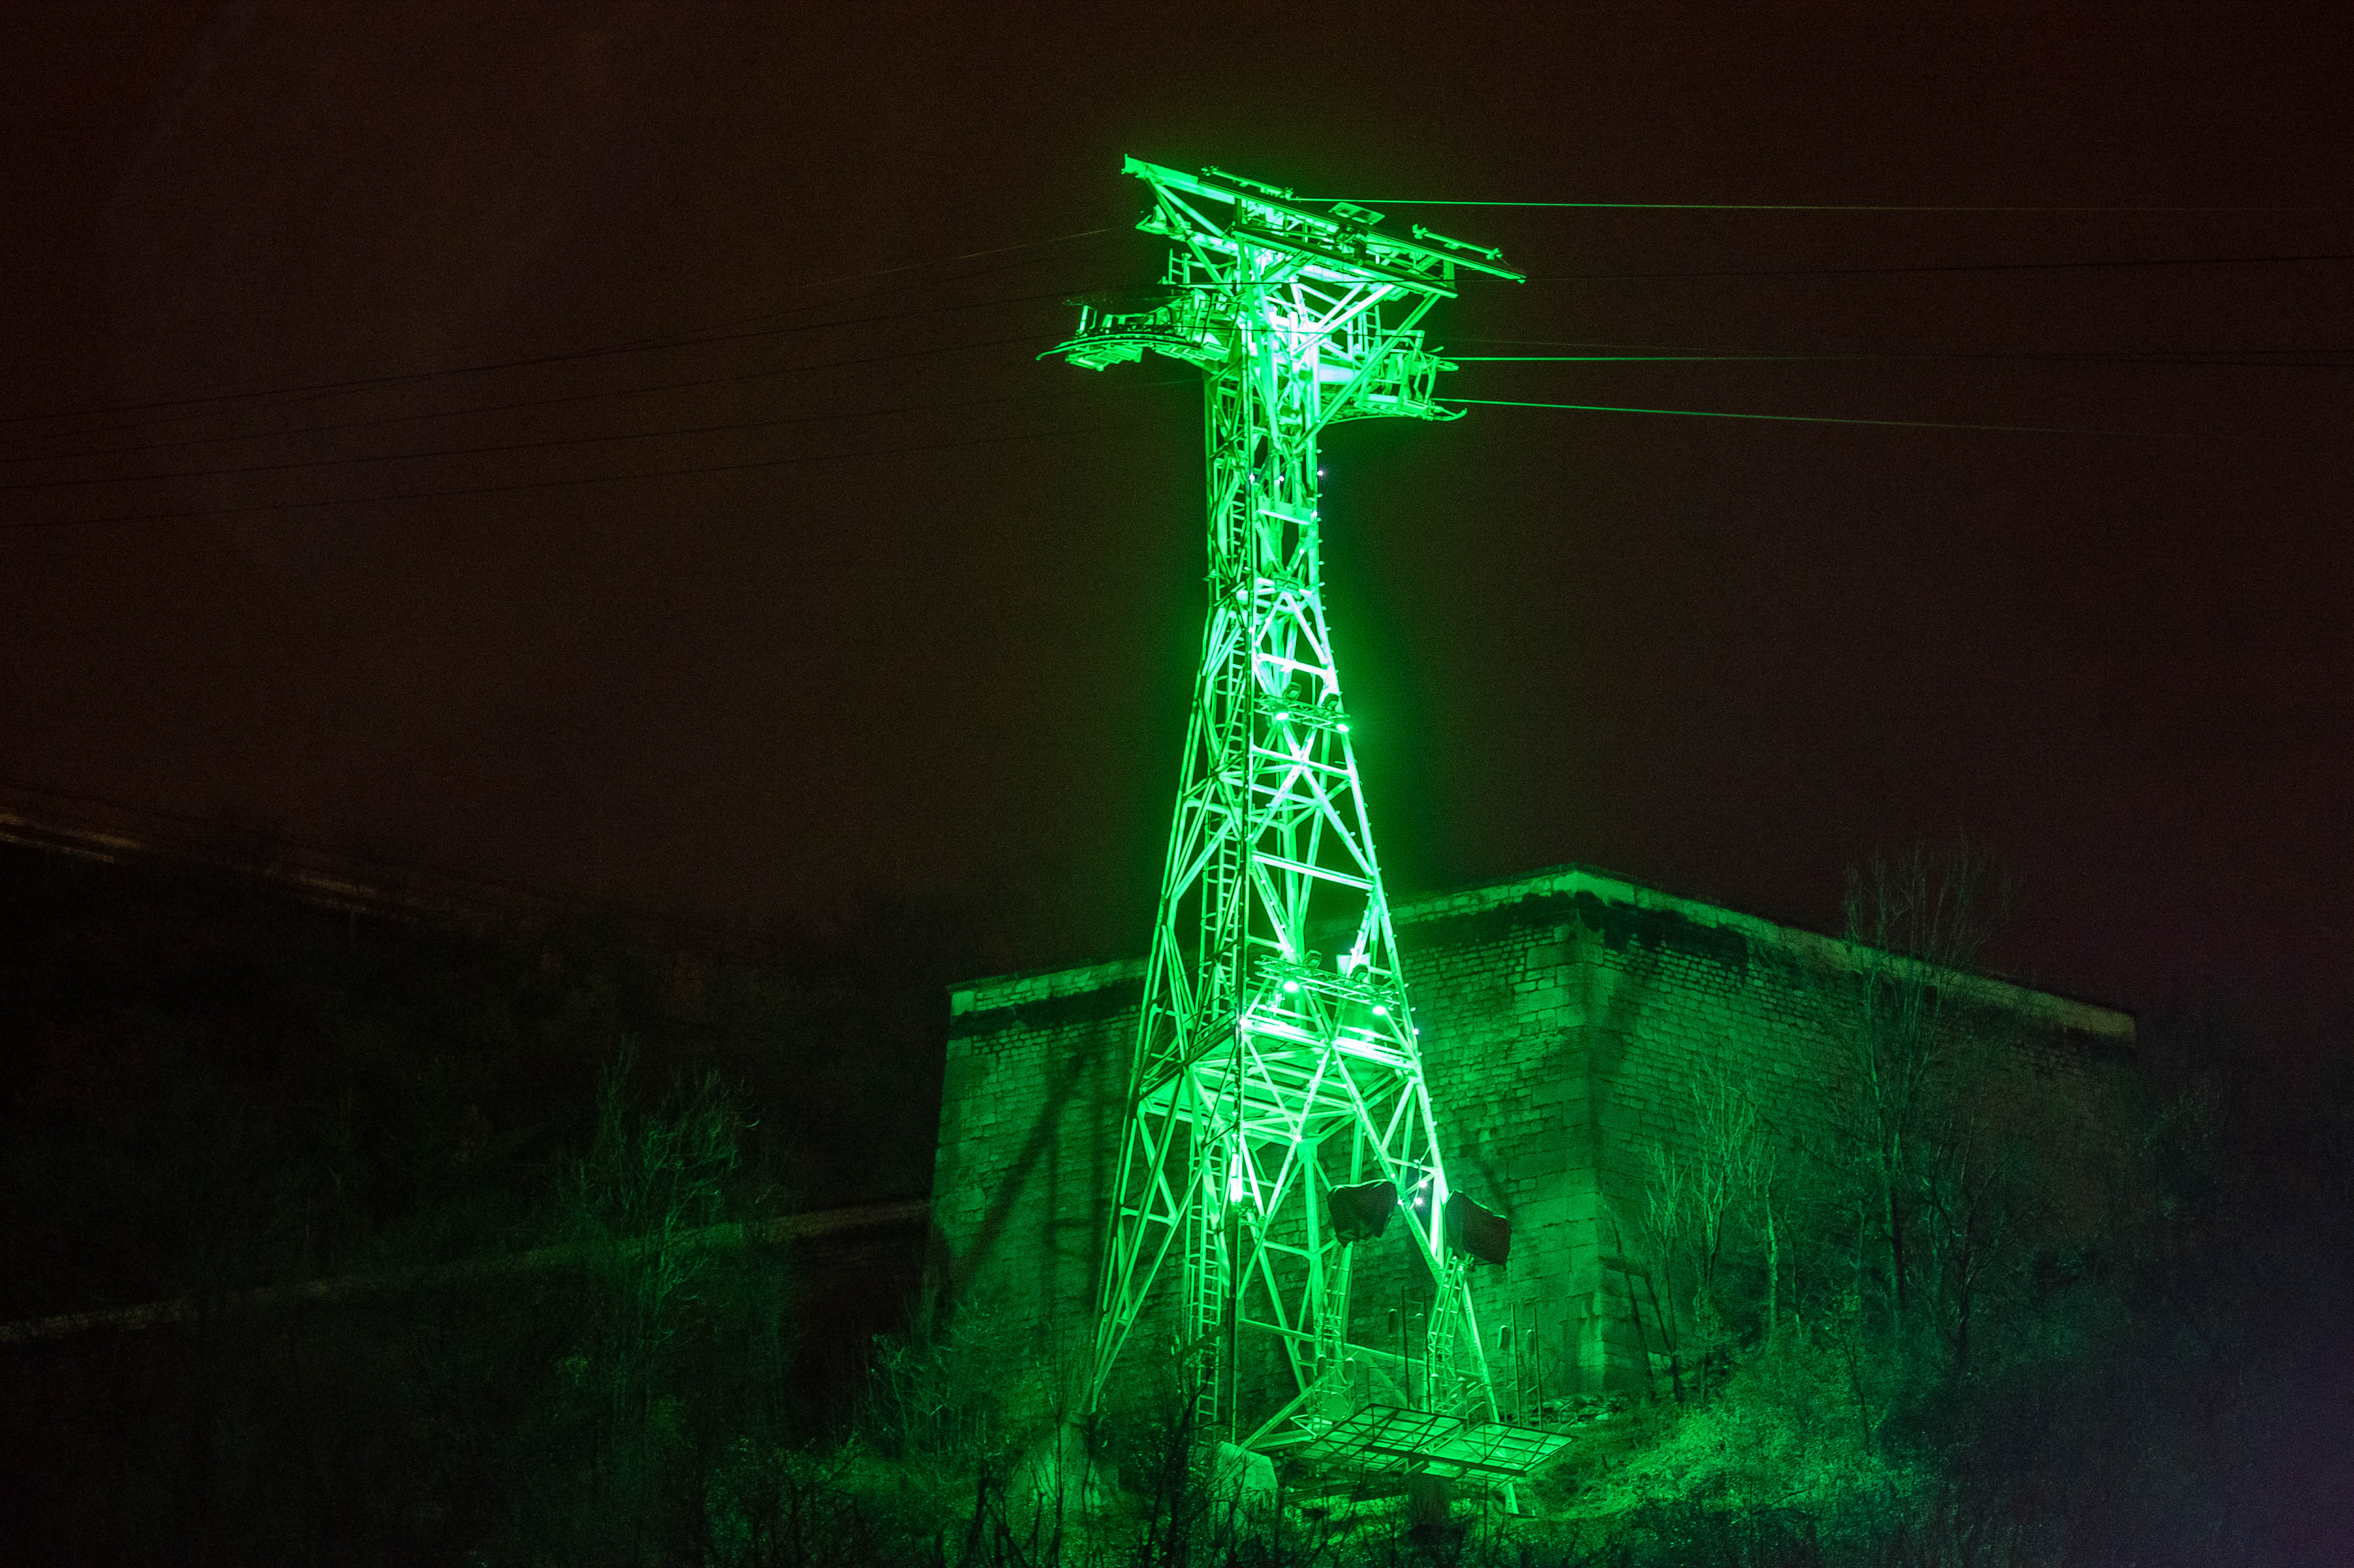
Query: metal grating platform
[(1385, 1437)]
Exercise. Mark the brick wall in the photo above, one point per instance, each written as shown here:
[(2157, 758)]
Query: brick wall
[(1565, 1017)]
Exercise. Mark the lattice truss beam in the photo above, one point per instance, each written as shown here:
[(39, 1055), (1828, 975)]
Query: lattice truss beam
[(1276, 1055)]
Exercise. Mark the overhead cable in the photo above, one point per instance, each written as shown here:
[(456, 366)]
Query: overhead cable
[(30, 524), (685, 337), (2250, 358), (1795, 206), (1798, 418), (1941, 267), (577, 397), (540, 403), (553, 442)]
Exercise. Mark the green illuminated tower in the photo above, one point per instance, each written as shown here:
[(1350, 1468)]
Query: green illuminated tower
[(1276, 1058)]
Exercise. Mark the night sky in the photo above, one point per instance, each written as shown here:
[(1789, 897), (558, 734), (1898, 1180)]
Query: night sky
[(939, 638)]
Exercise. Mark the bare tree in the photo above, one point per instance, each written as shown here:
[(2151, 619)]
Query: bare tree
[(1912, 924), (1701, 1194), (1759, 1173), (1667, 1216), (1968, 1222)]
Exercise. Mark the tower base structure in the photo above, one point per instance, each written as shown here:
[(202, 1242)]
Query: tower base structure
[(1566, 1016)]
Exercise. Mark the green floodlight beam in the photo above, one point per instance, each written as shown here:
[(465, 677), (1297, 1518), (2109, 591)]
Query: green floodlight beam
[(1258, 1051)]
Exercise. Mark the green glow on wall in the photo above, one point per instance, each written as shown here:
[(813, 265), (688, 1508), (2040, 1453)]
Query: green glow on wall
[(1248, 1100)]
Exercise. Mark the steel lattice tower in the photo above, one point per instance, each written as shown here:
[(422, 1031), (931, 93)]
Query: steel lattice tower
[(1275, 1056)]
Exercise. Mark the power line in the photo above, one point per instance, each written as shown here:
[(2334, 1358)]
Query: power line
[(1800, 419), (136, 517), (1744, 358), (1958, 267), (2187, 355), (553, 442), (1667, 356), (643, 346), (1736, 359), (918, 266), (578, 397), (347, 389), (1796, 206), (899, 316), (686, 337), (730, 379)]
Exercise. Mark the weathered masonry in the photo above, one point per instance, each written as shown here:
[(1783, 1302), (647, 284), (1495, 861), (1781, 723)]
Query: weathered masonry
[(1563, 1017)]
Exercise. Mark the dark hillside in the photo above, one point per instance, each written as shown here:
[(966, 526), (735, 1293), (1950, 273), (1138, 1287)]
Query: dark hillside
[(361, 1200)]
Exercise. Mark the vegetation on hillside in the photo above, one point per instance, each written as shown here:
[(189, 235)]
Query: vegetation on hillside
[(1958, 1321)]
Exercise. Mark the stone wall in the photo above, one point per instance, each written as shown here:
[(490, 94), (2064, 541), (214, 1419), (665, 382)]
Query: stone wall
[(1565, 1017)]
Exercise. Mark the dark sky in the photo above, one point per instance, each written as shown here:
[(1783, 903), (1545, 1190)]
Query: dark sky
[(1724, 658)]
